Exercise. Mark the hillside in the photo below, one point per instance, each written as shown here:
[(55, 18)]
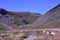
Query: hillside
[(30, 26), (50, 20), (23, 20), (12, 19)]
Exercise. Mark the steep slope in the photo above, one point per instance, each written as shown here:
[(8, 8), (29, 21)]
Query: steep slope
[(23, 18), (15, 19), (50, 20)]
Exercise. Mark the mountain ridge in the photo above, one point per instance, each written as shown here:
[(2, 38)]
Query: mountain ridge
[(50, 20), (14, 19)]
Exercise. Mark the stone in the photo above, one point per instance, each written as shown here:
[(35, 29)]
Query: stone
[(3, 11)]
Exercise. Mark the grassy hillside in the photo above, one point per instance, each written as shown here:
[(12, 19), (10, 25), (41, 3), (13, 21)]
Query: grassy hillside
[(50, 20), (14, 19)]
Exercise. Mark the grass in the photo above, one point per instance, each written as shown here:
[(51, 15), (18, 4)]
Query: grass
[(39, 33)]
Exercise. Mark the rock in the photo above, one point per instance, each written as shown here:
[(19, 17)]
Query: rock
[(3, 11)]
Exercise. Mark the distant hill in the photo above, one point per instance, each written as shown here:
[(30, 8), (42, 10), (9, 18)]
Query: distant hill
[(12, 19)]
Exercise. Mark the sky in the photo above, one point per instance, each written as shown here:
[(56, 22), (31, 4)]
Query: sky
[(35, 6)]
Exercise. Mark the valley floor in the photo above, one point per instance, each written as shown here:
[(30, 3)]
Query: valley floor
[(33, 34)]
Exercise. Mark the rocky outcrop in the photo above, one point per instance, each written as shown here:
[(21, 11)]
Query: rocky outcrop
[(3, 11)]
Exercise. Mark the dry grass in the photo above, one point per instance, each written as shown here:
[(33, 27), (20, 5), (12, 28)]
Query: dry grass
[(21, 36)]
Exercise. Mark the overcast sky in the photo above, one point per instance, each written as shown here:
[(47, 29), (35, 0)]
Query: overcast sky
[(38, 6)]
